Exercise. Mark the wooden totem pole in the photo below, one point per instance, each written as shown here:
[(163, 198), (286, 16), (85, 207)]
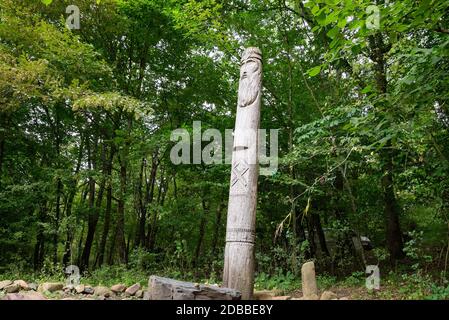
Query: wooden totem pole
[(241, 221)]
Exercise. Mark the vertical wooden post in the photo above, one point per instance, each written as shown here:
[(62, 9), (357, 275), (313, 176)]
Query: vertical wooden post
[(241, 220)]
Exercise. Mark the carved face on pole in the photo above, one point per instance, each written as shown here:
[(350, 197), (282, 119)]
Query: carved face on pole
[(250, 77)]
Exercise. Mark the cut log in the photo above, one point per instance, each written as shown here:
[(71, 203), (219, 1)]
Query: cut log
[(160, 288)]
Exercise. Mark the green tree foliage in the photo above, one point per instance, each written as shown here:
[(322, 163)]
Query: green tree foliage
[(358, 90)]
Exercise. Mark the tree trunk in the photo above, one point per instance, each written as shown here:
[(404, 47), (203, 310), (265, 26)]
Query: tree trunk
[(394, 235), (201, 232), (218, 217), (57, 218), (73, 187), (120, 227), (106, 225), (107, 213), (40, 240), (112, 248), (80, 245), (2, 145), (149, 198), (67, 246), (162, 192), (391, 208), (94, 210), (141, 206), (311, 237), (320, 233)]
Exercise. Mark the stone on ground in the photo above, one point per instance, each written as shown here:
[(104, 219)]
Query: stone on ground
[(328, 295), (133, 289), (103, 291), (12, 288), (160, 288), (266, 294), (139, 294), (68, 288), (33, 286), (118, 288), (309, 287), (50, 286), (5, 283), (79, 288), (22, 284), (88, 290)]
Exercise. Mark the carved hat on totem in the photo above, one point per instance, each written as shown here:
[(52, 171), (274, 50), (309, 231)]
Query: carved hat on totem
[(251, 53)]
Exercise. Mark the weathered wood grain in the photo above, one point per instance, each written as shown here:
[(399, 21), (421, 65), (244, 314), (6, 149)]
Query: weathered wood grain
[(238, 270), (160, 288)]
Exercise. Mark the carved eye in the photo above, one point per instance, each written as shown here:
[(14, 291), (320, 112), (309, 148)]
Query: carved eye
[(253, 66), (249, 68)]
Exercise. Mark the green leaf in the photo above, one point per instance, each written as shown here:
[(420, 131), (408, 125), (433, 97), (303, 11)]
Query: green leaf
[(335, 42), (321, 18), (356, 49), (332, 17), (314, 71), (367, 89), (342, 23), (333, 32)]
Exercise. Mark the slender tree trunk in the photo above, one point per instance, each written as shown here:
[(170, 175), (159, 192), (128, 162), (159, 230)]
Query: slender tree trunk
[(2, 154), (94, 210), (57, 218), (67, 246), (141, 205), (394, 235), (70, 228), (299, 225), (106, 225), (107, 213), (218, 217), (149, 195), (160, 201), (40, 239), (112, 244), (128, 243), (120, 227), (90, 226), (202, 230), (311, 236), (58, 206), (294, 244), (80, 244), (320, 233), (55, 128), (391, 209)]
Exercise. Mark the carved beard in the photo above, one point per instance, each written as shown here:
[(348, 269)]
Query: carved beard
[(249, 85)]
